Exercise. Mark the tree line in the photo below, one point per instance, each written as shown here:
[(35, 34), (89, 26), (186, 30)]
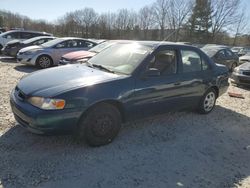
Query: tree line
[(196, 21)]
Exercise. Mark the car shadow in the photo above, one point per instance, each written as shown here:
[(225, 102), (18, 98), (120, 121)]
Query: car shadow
[(25, 68), (173, 150)]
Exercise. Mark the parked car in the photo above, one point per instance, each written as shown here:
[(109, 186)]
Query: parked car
[(236, 50), (2, 30), (123, 82), (222, 55), (49, 53), (241, 75), (12, 47), (83, 56), (20, 35), (245, 58), (244, 51)]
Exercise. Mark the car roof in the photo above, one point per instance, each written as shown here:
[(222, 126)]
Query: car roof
[(26, 31), (152, 44)]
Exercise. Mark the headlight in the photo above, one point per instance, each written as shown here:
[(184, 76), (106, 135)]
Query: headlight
[(29, 52), (47, 103), (237, 70)]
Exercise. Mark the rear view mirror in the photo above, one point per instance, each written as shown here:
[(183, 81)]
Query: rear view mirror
[(152, 72)]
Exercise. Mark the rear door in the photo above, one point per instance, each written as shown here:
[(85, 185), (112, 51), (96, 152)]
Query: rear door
[(60, 49), (195, 75)]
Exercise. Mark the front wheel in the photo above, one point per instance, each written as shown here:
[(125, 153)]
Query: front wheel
[(44, 62), (100, 125), (207, 102)]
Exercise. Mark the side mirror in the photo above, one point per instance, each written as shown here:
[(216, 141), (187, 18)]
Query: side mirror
[(8, 37), (152, 72)]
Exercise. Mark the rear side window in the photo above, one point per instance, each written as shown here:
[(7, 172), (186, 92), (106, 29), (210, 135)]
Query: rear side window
[(84, 44), (191, 61), (220, 54), (229, 53)]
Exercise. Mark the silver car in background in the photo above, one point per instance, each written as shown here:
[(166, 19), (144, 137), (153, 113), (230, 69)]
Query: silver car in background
[(49, 53)]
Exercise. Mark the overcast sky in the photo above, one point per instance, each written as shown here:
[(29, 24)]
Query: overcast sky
[(52, 9)]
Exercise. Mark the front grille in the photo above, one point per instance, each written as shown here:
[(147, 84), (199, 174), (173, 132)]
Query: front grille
[(246, 73)]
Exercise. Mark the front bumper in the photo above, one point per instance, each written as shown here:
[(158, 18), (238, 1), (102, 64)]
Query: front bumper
[(240, 79), (43, 121), (9, 51), (26, 59)]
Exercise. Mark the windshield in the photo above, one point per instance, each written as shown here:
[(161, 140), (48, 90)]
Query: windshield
[(101, 47), (52, 43), (122, 58)]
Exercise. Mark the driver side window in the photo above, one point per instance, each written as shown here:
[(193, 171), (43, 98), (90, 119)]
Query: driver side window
[(165, 61)]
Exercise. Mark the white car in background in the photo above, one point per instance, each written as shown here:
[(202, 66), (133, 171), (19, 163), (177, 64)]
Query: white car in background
[(20, 35), (49, 53), (245, 58)]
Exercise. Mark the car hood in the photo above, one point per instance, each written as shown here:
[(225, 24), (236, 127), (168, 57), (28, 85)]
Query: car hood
[(53, 81), (13, 42), (245, 66), (78, 55), (31, 48), (245, 57)]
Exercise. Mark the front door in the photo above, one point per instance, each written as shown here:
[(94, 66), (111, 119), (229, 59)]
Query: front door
[(160, 93)]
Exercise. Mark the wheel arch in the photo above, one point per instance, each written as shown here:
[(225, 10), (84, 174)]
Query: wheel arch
[(115, 103), (44, 54), (216, 88)]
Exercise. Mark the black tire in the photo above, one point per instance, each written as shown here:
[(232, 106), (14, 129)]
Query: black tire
[(207, 104), (100, 125), (234, 65), (44, 61)]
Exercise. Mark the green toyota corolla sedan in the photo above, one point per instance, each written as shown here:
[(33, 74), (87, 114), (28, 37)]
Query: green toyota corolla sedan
[(123, 82)]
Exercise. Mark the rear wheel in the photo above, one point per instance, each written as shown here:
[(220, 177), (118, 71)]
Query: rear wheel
[(207, 102), (44, 61), (100, 125)]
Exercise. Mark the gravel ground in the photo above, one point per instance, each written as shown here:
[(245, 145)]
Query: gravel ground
[(173, 150)]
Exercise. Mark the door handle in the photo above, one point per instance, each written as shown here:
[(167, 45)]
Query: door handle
[(177, 84)]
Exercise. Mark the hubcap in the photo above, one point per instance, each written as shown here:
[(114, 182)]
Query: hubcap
[(209, 101), (44, 62), (102, 125)]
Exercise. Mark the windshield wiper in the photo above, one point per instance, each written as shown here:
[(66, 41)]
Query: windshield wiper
[(103, 68)]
